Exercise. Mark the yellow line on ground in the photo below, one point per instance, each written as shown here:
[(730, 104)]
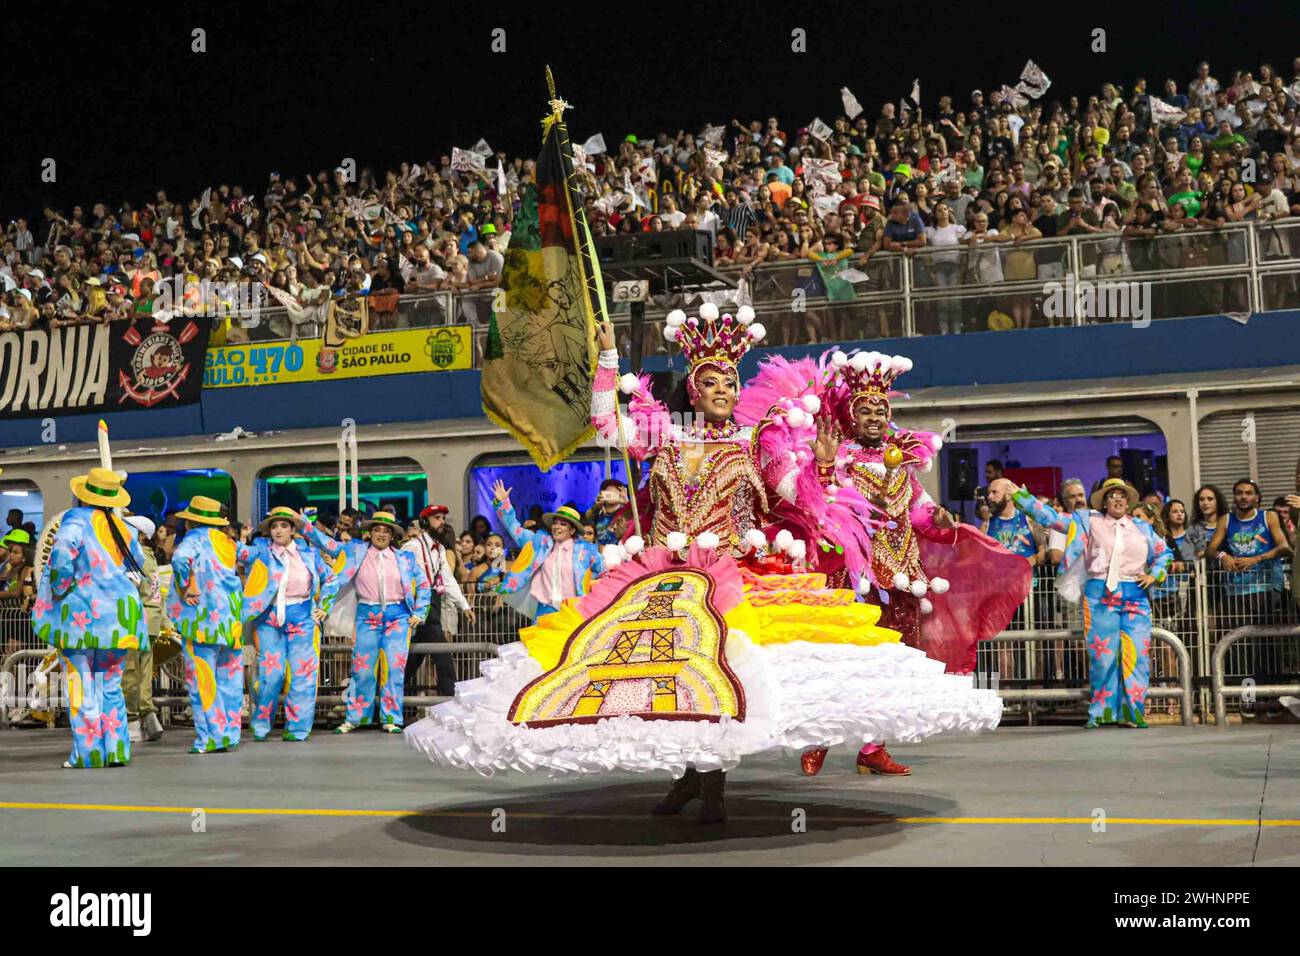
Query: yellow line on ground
[(867, 817)]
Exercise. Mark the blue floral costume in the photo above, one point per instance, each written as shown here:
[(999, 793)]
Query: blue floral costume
[(211, 632), (1116, 623), (383, 634), (89, 610), (288, 644)]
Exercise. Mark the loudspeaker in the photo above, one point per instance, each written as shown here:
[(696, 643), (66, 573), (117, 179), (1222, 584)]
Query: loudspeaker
[(962, 466), (638, 247), (1139, 468)]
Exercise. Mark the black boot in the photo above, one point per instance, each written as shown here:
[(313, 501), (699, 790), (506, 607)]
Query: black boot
[(713, 810), (684, 790)]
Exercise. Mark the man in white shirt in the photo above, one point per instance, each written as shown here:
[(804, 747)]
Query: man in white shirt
[(672, 216), (431, 558), (1074, 496)]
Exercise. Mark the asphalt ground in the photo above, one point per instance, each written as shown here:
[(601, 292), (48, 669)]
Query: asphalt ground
[(1044, 796)]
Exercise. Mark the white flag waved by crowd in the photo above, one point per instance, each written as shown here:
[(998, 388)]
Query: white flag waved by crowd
[(1164, 114), (1033, 81), (482, 148), (852, 108), (819, 130), (821, 174), (594, 146), (1012, 95), (466, 160)]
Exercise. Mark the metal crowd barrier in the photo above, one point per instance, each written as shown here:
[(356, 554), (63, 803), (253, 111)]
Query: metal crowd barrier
[(466, 648), (1182, 692), (1243, 267), (1209, 639), (1246, 689)]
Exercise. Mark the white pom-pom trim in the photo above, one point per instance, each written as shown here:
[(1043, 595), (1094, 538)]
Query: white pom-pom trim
[(864, 585), (670, 333), (797, 418), (901, 581), (629, 383), (675, 318), (859, 362), (926, 606), (708, 312), (756, 332), (839, 359), (708, 540), (675, 541), (634, 545), (755, 538), (612, 555), (919, 588), (812, 404), (798, 551), (744, 315), (783, 540), (939, 585)]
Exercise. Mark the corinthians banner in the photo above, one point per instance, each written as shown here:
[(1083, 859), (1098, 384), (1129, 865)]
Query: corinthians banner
[(96, 368)]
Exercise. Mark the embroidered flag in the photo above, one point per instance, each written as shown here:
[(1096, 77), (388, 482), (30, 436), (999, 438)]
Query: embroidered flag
[(540, 356)]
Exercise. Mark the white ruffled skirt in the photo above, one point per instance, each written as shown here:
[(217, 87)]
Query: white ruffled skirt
[(797, 695)]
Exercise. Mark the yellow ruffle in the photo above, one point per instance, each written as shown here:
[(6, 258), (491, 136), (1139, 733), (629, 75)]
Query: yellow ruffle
[(837, 624), (776, 623)]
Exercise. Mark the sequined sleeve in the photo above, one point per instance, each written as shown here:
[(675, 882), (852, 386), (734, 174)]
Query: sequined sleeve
[(742, 509)]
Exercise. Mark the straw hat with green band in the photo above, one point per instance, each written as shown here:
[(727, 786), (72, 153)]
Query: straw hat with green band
[(282, 513), (564, 513), (100, 487), (385, 519), (1098, 499), (204, 510)]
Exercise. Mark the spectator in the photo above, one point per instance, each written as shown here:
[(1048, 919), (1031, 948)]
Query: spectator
[(946, 265), (1210, 506), (611, 499), (18, 584), (431, 558), (1020, 265), (984, 265), (1247, 542), (905, 232), (1114, 470), (1073, 496)]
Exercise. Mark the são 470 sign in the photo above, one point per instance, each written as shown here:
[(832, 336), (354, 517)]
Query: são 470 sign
[(379, 353)]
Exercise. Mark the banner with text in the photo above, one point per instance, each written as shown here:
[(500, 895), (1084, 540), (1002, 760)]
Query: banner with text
[(398, 352), (95, 368)]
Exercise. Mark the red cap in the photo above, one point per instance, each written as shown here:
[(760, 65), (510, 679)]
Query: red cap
[(434, 510)]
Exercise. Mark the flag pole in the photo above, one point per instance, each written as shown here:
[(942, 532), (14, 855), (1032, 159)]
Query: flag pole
[(557, 117)]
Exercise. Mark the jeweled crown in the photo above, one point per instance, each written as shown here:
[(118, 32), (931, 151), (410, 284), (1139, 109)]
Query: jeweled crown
[(870, 376), (712, 339)]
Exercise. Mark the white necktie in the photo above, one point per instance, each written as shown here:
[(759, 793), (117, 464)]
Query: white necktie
[(1112, 573), (379, 558), (282, 591), (556, 571)]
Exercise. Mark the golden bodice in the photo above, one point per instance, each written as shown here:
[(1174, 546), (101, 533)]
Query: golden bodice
[(724, 494)]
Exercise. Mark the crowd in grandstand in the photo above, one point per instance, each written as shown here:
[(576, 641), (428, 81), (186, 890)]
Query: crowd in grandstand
[(1003, 168)]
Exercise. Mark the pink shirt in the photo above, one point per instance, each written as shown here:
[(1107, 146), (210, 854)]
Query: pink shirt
[(1101, 544), (368, 577), (298, 584), (556, 571)]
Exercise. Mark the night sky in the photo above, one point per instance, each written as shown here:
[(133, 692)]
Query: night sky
[(115, 96)]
